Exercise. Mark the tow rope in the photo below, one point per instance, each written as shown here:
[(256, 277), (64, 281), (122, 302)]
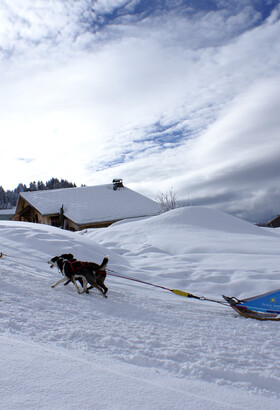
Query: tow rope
[(118, 275), (175, 291)]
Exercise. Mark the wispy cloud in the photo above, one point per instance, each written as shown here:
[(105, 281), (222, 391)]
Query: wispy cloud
[(26, 160), (160, 93)]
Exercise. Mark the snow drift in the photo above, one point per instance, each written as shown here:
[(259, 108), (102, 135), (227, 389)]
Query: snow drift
[(142, 347)]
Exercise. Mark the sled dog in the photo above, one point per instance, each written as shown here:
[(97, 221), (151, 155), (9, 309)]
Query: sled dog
[(84, 272)]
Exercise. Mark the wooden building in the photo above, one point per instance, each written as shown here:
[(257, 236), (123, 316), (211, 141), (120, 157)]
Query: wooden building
[(85, 207), (274, 223), (6, 214)]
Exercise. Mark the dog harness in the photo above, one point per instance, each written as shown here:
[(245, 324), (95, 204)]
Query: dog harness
[(77, 265)]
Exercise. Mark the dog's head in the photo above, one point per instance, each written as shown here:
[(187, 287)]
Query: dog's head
[(65, 256), (53, 261)]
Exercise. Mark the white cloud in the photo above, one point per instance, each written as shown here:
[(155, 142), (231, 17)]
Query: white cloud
[(239, 154), (80, 91)]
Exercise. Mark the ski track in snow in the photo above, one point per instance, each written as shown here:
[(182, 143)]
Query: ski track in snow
[(144, 327)]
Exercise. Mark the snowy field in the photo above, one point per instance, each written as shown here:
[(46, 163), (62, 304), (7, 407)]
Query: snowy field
[(143, 347)]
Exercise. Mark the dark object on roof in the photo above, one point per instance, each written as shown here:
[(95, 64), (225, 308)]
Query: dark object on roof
[(117, 183)]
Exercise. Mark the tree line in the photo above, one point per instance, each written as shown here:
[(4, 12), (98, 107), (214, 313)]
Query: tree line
[(8, 199)]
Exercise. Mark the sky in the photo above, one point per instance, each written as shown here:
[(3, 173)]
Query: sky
[(161, 93)]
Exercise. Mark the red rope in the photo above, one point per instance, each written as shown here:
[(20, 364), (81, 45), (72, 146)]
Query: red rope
[(136, 280)]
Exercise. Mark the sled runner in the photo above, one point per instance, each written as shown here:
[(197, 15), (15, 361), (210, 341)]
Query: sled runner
[(261, 307)]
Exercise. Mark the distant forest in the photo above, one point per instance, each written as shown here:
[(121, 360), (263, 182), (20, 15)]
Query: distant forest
[(8, 199)]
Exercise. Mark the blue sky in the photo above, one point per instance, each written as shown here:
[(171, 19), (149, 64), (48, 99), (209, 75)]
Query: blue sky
[(180, 94)]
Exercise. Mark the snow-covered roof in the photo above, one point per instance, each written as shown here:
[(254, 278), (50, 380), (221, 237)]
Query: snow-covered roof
[(92, 204), (10, 211)]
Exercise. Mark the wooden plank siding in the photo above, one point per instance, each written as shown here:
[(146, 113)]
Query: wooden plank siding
[(27, 213)]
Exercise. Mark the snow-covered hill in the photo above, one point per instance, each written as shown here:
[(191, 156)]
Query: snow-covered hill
[(143, 347)]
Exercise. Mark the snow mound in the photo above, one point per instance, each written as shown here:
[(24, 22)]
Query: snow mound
[(36, 242), (199, 249), (206, 218)]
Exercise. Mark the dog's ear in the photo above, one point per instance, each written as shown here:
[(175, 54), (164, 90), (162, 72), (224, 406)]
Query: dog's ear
[(67, 256)]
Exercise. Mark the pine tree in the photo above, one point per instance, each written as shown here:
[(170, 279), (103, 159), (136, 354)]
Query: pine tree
[(9, 199)]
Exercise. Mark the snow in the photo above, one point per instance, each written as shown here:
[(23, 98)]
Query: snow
[(143, 347), (92, 204), (5, 214), (7, 211)]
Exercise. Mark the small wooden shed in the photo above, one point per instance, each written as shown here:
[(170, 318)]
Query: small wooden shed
[(84, 207), (6, 214), (274, 223)]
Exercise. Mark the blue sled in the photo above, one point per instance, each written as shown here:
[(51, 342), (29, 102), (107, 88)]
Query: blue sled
[(261, 307)]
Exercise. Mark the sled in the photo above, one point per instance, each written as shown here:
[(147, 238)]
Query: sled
[(261, 307)]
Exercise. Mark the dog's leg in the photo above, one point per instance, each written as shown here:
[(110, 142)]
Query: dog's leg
[(75, 283), (102, 291), (84, 281), (101, 287), (105, 289), (100, 278), (94, 285), (59, 281), (69, 280), (84, 285)]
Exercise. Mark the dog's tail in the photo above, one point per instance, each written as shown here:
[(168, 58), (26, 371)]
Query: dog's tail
[(104, 263)]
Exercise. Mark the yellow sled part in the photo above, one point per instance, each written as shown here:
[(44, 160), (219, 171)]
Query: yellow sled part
[(181, 293)]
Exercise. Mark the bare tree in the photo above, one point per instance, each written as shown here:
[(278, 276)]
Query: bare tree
[(167, 200)]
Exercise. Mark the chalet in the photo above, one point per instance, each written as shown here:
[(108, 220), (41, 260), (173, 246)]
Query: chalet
[(6, 214), (274, 223), (85, 207)]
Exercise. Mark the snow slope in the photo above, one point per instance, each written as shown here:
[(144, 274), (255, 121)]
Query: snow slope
[(143, 347)]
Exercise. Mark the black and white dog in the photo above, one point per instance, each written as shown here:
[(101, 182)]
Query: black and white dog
[(84, 272)]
